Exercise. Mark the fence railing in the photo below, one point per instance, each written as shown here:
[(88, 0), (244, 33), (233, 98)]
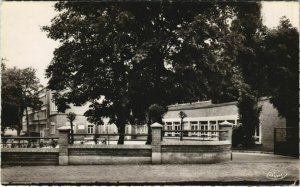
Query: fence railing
[(29, 142), (105, 138), (200, 135)]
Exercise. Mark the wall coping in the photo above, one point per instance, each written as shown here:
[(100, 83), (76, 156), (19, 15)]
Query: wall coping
[(191, 142), (101, 146), (156, 125), (30, 150), (191, 106)]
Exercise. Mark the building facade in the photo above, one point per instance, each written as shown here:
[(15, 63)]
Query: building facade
[(200, 116), (44, 122), (208, 116)]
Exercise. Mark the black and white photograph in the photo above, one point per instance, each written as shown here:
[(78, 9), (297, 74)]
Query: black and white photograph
[(149, 93)]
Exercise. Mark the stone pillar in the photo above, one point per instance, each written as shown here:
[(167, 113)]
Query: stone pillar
[(46, 132), (63, 142), (227, 127), (156, 143)]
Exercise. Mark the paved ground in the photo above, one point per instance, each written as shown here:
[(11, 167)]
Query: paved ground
[(245, 168)]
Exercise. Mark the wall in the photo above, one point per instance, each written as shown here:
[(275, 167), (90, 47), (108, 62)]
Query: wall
[(29, 156), (109, 154), (269, 119), (195, 152)]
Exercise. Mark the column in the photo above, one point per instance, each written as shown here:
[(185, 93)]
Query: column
[(227, 127), (156, 143), (63, 142)]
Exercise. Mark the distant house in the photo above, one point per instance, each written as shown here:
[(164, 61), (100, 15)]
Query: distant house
[(44, 122)]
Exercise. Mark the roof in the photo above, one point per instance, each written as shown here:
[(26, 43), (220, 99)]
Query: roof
[(203, 104)]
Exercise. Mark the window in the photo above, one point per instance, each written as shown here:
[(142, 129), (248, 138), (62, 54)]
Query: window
[(168, 127), (204, 127), (53, 106), (177, 127), (52, 128), (90, 129), (213, 126), (168, 124), (194, 126), (257, 135)]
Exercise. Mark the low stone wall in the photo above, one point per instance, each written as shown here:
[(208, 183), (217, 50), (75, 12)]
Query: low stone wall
[(29, 156), (81, 154), (195, 152)]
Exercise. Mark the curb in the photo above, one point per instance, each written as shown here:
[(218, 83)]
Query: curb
[(257, 152), (138, 183)]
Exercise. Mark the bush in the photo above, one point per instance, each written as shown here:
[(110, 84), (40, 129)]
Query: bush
[(53, 143), (239, 137)]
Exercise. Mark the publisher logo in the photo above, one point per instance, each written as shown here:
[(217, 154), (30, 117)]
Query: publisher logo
[(276, 175)]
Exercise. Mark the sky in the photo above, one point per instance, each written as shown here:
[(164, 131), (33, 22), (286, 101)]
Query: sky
[(23, 44)]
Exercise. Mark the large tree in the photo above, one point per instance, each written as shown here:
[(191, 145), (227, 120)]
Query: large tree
[(18, 92), (126, 52), (280, 59)]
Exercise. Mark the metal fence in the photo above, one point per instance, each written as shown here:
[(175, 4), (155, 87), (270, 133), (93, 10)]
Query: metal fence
[(106, 138), (29, 142), (200, 135)]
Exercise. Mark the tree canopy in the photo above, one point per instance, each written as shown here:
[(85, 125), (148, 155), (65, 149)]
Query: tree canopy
[(19, 88), (131, 53), (141, 53), (280, 59)]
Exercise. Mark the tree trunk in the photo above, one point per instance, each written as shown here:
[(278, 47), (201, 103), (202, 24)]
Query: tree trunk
[(121, 131), (72, 133), (96, 136), (18, 131), (181, 128), (19, 126), (149, 137), (27, 121)]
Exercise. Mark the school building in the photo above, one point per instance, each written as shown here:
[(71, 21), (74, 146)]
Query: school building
[(200, 116)]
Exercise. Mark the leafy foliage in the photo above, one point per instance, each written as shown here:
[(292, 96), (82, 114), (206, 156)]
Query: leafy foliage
[(19, 91), (131, 53), (140, 53), (279, 56)]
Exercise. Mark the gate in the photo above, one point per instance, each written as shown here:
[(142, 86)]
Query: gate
[(286, 141)]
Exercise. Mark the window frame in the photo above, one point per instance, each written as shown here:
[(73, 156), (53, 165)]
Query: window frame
[(52, 128), (90, 128)]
